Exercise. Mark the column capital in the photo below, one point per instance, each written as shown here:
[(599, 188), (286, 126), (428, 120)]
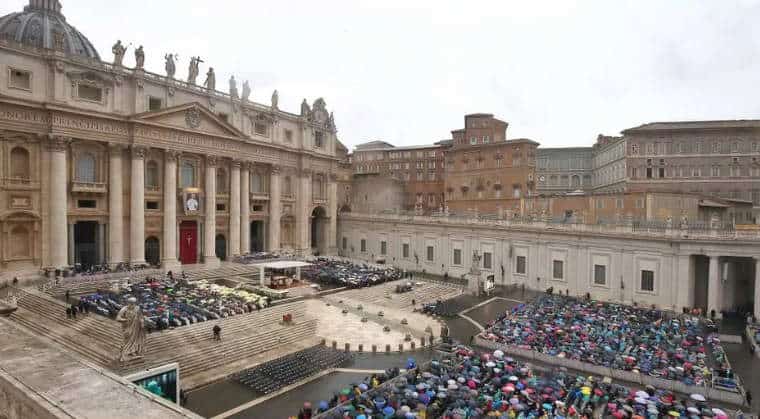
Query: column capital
[(58, 143), (306, 173), (212, 161), (139, 152), (171, 155), (275, 169), (116, 148), (236, 164)]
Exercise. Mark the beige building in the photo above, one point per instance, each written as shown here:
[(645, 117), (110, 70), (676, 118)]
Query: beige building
[(108, 162)]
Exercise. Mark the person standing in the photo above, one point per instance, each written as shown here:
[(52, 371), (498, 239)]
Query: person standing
[(217, 332), (68, 296), (74, 312)]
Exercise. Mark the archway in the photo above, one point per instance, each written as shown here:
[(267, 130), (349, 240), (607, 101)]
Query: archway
[(318, 228), (153, 251), (221, 247)]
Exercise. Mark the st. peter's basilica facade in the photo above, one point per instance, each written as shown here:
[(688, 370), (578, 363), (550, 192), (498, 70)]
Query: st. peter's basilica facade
[(104, 163)]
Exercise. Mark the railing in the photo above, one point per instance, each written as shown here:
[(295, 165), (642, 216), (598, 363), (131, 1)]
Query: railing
[(20, 182), (694, 230), (92, 187)]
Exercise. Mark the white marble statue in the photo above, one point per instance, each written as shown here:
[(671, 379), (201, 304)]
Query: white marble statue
[(275, 99), (210, 82), (118, 53), (193, 71), (131, 319), (171, 67), (233, 88), (246, 91), (139, 58)]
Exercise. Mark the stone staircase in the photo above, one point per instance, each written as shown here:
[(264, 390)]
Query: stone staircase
[(422, 294), (244, 337)]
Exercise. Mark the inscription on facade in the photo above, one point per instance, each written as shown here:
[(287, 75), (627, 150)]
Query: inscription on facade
[(185, 138), (24, 116), (90, 125)]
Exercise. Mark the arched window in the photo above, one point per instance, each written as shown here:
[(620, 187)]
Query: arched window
[(86, 168), (187, 175), (20, 163), (151, 174), (575, 181), (221, 181), (20, 242)]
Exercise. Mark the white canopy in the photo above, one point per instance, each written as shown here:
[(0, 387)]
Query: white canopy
[(284, 264)]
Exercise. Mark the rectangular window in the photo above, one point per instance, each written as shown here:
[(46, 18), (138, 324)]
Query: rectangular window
[(20, 79), (487, 260), (634, 149), (88, 92), (599, 204), (619, 203), (363, 246), (431, 175), (420, 176), (383, 248), (558, 271), (458, 257), (86, 203), (649, 172), (151, 205), (318, 139), (486, 139), (473, 140), (639, 203), (405, 250), (344, 243), (600, 274), (520, 265), (715, 172), (258, 208), (221, 207), (154, 103), (661, 172), (647, 280), (260, 128), (288, 136), (430, 253)]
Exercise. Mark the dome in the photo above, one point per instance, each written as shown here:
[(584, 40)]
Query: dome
[(42, 25)]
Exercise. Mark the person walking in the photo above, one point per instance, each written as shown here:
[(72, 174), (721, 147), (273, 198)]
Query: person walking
[(74, 312), (217, 332), (748, 396), (68, 312)]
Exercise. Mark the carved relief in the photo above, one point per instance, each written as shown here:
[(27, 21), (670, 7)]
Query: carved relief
[(193, 117), (139, 152), (58, 143)]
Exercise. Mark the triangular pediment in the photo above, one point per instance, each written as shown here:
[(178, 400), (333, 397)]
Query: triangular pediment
[(190, 116)]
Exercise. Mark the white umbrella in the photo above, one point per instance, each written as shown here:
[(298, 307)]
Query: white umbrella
[(698, 397)]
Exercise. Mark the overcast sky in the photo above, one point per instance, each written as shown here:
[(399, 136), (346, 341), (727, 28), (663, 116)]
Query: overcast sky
[(406, 71)]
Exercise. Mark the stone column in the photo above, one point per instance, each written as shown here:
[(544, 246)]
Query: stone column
[(101, 243), (137, 207), (115, 206), (58, 202), (303, 214), (169, 260), (757, 287), (245, 209), (275, 209), (235, 209), (713, 286), (209, 243), (332, 229), (685, 282)]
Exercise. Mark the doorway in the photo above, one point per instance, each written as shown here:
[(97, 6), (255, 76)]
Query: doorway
[(257, 236), (86, 243), (221, 247), (188, 242), (318, 228), (153, 251)]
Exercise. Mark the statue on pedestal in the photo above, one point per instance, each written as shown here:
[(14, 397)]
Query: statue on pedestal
[(275, 99), (305, 109), (139, 58), (668, 222), (118, 53), (475, 267), (171, 67), (684, 222), (131, 319), (193, 71), (210, 82), (233, 88), (246, 91)]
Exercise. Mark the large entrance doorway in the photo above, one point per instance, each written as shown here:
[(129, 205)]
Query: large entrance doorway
[(318, 229), (86, 243), (221, 247), (257, 236), (152, 251), (188, 242)]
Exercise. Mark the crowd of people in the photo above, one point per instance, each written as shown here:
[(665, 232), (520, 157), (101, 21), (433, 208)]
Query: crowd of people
[(167, 303), (348, 274), (479, 385), (616, 336)]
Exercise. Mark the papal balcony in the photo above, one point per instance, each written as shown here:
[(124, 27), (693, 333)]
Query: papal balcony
[(88, 187), (20, 183), (259, 196)]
